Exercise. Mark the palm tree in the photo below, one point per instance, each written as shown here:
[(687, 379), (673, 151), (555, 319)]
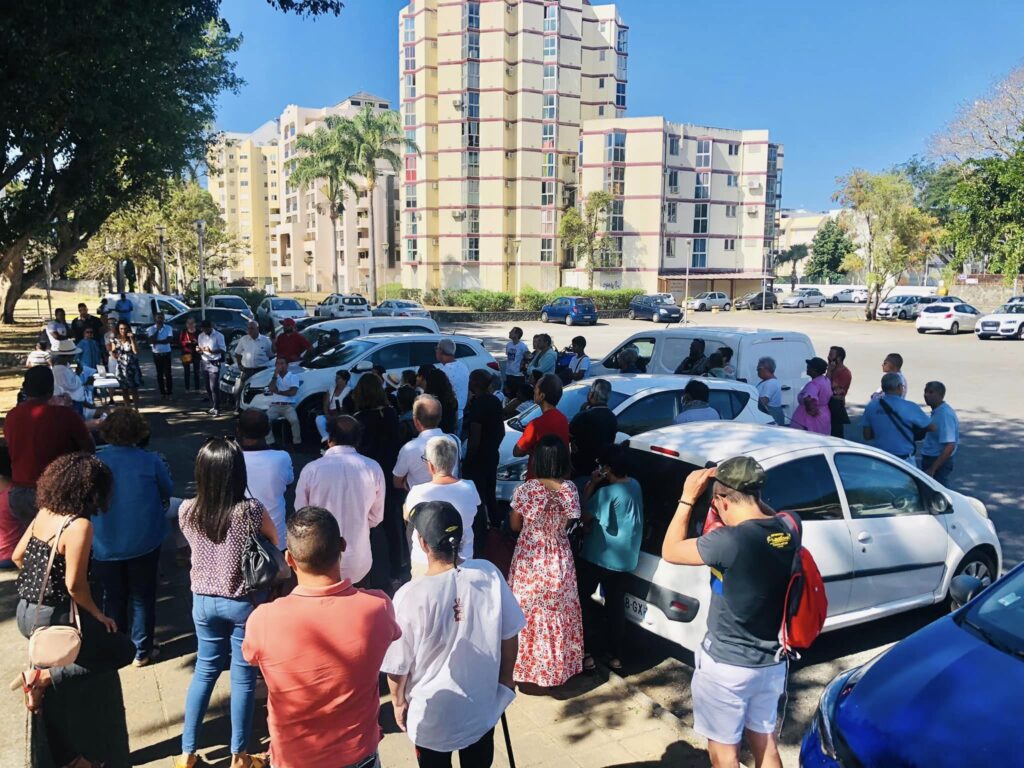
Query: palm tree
[(794, 256), (375, 137), (327, 157)]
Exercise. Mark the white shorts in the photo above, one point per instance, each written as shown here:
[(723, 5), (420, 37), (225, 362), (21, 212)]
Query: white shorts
[(727, 698)]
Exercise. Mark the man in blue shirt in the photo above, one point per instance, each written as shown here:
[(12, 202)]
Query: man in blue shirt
[(124, 308), (889, 420), (940, 444)]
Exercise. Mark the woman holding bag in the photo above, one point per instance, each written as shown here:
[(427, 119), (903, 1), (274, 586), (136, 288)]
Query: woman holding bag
[(218, 524), (53, 591)]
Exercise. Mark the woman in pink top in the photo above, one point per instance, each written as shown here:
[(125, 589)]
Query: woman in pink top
[(812, 411)]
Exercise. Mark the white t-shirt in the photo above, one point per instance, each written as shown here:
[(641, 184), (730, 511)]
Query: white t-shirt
[(577, 364), (286, 382), (458, 375), (213, 341), (461, 495), (772, 389), (453, 624), (55, 331), (270, 473), (514, 354), (412, 459), (255, 353), (162, 345)]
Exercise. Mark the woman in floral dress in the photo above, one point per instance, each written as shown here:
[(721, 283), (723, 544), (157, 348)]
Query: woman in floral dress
[(543, 576), (124, 349)]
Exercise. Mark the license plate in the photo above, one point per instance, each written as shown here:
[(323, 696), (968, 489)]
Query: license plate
[(636, 608)]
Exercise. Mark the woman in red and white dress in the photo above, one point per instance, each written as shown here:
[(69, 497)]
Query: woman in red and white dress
[(543, 576)]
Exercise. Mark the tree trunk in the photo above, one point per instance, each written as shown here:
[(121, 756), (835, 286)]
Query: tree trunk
[(373, 249), (12, 286), (334, 247)]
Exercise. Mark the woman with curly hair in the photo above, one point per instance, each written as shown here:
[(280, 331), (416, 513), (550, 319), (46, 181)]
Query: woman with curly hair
[(127, 539), (435, 382), (125, 351), (73, 488)]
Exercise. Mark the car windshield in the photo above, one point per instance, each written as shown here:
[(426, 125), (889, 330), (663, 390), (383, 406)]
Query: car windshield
[(584, 303), (407, 305), (343, 355), (660, 300), (998, 615), (1011, 309), (285, 304), (703, 296), (936, 308), (572, 400)]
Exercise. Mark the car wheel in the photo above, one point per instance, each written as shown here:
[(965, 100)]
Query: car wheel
[(631, 315), (954, 329), (920, 330), (800, 305), (702, 308), (569, 320), (543, 317), (821, 304), (655, 318), (983, 336), (976, 563), (1020, 332), (727, 306), (902, 315)]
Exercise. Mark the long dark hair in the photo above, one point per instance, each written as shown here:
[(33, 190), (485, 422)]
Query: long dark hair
[(221, 482), (369, 394), (551, 459), (440, 387)]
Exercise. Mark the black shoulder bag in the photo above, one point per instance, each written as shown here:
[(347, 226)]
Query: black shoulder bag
[(263, 564), (912, 433)]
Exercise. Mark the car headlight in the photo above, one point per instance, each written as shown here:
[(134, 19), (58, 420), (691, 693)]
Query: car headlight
[(840, 687), (515, 472), (662, 311)]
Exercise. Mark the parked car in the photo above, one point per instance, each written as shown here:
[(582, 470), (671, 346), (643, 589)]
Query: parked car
[(1007, 321), (758, 300), (903, 307), (886, 537), (571, 310), (1015, 300), (850, 295), (949, 318), (947, 696), (145, 307), (641, 403), (655, 309), (396, 352), (668, 298), (273, 309), (805, 297), (703, 302), (400, 308), (943, 300), (660, 352), (339, 305), (230, 322), (229, 301)]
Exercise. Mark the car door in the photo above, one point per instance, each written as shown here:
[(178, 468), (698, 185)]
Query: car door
[(967, 316), (899, 545), (647, 413), (805, 485), (394, 357)]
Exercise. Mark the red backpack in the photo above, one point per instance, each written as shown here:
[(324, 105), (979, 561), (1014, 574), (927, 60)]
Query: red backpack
[(806, 603)]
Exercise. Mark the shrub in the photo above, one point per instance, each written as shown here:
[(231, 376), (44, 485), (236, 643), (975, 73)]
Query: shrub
[(431, 297), (531, 299), (390, 291), (603, 299), (488, 301)]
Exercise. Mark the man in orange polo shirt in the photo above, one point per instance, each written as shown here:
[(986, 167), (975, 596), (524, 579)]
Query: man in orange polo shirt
[(320, 650)]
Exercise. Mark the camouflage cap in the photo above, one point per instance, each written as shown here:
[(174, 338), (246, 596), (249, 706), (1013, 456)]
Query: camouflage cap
[(741, 473)]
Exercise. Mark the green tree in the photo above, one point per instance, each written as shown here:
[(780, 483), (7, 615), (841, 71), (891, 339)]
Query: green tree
[(583, 230), (899, 235), (829, 249), (328, 158), (375, 139), (792, 256), (988, 223)]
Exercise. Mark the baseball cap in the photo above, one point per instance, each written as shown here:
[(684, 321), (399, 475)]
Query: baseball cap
[(818, 364), (288, 323), (440, 525), (741, 473)]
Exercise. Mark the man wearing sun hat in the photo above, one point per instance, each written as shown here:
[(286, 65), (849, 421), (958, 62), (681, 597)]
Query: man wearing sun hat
[(737, 680), (66, 380)]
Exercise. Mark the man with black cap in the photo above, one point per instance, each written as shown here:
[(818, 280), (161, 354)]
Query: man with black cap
[(738, 678), (450, 673), (812, 412)]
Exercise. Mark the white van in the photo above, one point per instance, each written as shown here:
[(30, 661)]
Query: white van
[(661, 351), (145, 307)]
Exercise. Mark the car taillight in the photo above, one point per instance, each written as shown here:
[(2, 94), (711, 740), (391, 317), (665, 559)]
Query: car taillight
[(666, 451), (948, 315), (494, 366), (575, 310)]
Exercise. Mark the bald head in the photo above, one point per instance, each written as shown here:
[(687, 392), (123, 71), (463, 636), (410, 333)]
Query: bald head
[(426, 412)]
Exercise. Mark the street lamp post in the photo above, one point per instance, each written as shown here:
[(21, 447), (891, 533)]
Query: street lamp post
[(686, 281), (200, 231), (163, 261)]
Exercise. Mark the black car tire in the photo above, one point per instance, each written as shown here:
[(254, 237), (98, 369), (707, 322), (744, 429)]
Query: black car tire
[(954, 329), (902, 315), (569, 320), (727, 307), (1020, 332), (631, 315), (543, 317), (975, 562), (920, 330), (800, 304)]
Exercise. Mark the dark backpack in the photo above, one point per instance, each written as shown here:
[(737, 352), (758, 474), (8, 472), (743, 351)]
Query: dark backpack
[(806, 605)]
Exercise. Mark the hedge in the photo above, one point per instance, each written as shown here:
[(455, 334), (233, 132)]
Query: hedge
[(529, 299)]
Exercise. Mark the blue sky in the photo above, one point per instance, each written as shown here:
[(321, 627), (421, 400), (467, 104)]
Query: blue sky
[(842, 85)]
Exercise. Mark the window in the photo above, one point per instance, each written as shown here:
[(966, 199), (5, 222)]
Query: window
[(615, 147), (471, 249), (412, 223), (410, 57), (622, 40), (673, 145), (547, 222), (550, 106), (876, 488), (730, 211), (550, 77), (472, 167), (702, 186), (673, 182), (548, 165), (601, 54), (243, 183), (472, 79), (670, 248), (644, 351), (471, 134), (547, 249), (616, 219), (473, 192), (614, 257), (600, 110), (700, 253), (730, 244), (410, 116), (547, 193), (732, 180), (409, 26), (472, 50), (804, 486), (410, 86), (472, 10), (620, 68), (551, 18), (473, 108), (547, 136), (652, 412), (620, 94), (410, 196), (703, 153), (615, 180), (410, 167), (734, 149), (550, 47), (672, 213), (700, 219), (600, 82), (411, 250)]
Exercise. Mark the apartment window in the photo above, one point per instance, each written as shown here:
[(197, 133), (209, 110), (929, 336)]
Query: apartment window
[(702, 185), (616, 219), (473, 192), (550, 47), (410, 57), (673, 182), (730, 244), (620, 67), (243, 183), (732, 180), (410, 136), (550, 77), (615, 180), (410, 86), (700, 219), (551, 18), (672, 213), (730, 211), (472, 163), (734, 149), (670, 248), (602, 54), (547, 136), (615, 147), (773, 153), (622, 40), (600, 82), (471, 249), (473, 109), (614, 257), (412, 224), (411, 250), (673, 145), (547, 193), (547, 249), (472, 79), (600, 111), (700, 253), (410, 196), (409, 26), (548, 165), (550, 106), (410, 167), (472, 50), (620, 94), (472, 11), (410, 115), (547, 222), (703, 153), (471, 134)]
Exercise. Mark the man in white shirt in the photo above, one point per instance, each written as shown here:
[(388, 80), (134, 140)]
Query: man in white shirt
[(450, 673), (350, 487), (269, 472), (411, 468), (515, 355), (57, 329), (159, 337), (579, 364), (769, 390), (253, 353), (283, 388), (211, 346), (458, 375)]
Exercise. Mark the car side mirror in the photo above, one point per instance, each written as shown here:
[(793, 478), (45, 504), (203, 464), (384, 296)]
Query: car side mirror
[(963, 588), (940, 503)]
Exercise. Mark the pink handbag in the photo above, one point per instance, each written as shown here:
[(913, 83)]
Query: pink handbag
[(54, 646)]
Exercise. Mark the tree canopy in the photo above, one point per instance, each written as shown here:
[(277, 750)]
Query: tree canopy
[(829, 249), (985, 127), (583, 230)]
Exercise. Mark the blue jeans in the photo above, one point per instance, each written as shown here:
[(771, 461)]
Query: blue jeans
[(129, 587), (944, 471), (220, 629)]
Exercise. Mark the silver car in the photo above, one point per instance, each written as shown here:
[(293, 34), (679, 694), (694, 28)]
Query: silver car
[(703, 302), (903, 307), (400, 308), (805, 297)]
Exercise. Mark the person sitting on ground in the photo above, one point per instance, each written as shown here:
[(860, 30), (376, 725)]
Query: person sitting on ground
[(323, 702), (547, 393), (270, 472), (450, 675), (694, 404), (283, 388), (695, 363), (334, 402)]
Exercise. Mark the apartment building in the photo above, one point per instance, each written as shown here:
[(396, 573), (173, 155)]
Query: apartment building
[(294, 221), (687, 198), (798, 227), (495, 95)]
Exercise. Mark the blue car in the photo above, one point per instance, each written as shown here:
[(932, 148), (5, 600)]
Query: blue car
[(657, 309), (948, 696), (572, 310)]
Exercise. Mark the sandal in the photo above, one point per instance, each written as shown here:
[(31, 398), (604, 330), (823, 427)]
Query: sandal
[(186, 761), (588, 663), (28, 681)]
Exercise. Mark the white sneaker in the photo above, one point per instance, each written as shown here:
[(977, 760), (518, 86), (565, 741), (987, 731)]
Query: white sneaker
[(214, 412)]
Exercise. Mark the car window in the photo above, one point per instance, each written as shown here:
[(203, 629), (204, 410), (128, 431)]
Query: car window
[(728, 402), (464, 350), (422, 353), (676, 348), (344, 355), (315, 333), (354, 301), (661, 480), (286, 304), (585, 304), (1000, 613), (804, 486), (392, 356), (876, 488), (167, 308), (572, 400), (652, 412), (935, 309)]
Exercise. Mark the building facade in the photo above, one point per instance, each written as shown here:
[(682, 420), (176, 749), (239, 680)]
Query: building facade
[(687, 199), (798, 227), (495, 94)]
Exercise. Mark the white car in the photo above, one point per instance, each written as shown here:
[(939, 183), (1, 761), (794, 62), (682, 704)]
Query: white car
[(400, 308), (1007, 321), (273, 309), (396, 352), (886, 537), (703, 302), (229, 301), (339, 305), (641, 402), (668, 298), (949, 318), (850, 295), (805, 297)]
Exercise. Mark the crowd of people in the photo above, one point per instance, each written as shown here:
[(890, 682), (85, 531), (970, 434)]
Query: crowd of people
[(396, 534)]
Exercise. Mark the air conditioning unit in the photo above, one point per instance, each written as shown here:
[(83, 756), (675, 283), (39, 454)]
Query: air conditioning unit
[(751, 211), (458, 215), (509, 155), (753, 184), (457, 103), (568, 160), (509, 71), (435, 242), (433, 185)]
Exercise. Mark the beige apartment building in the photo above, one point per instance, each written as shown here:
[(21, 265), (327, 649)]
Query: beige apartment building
[(687, 198), (294, 220), (496, 94)]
